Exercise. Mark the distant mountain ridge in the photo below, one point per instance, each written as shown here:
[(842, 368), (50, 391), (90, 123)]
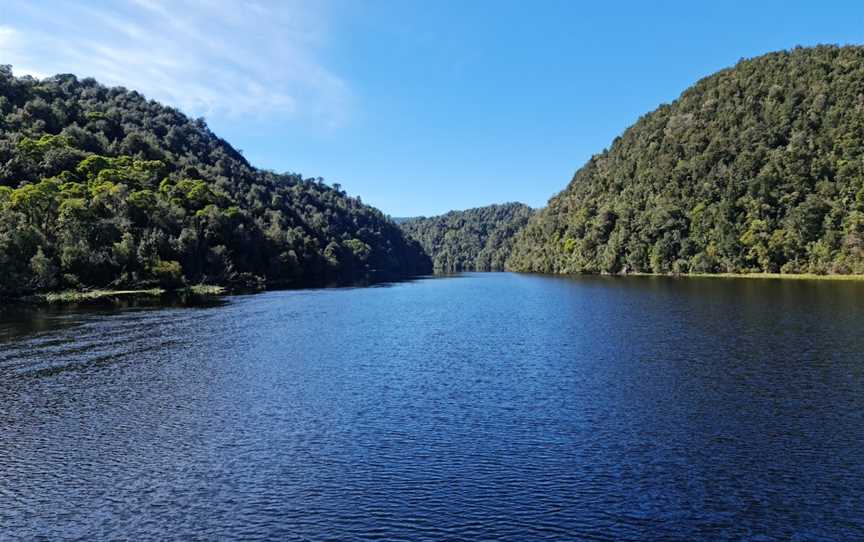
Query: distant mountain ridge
[(757, 168), (477, 239)]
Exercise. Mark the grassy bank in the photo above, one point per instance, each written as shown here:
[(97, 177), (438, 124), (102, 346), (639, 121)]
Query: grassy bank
[(774, 276), (72, 296), (203, 290), (105, 296)]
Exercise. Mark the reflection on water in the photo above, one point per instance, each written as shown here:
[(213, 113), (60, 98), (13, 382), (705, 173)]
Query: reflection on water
[(484, 406), (23, 319)]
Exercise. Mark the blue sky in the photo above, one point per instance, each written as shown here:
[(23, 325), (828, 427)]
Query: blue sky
[(417, 106)]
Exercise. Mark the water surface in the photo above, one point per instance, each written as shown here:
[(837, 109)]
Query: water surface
[(478, 407)]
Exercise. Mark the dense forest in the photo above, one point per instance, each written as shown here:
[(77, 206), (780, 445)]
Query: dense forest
[(473, 240), (757, 168), (100, 187)]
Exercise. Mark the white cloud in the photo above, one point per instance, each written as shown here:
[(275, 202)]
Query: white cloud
[(208, 57)]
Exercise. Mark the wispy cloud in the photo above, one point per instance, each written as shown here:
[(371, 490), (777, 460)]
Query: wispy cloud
[(224, 57)]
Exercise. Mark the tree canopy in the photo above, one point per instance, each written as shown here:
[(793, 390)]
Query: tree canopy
[(757, 168), (473, 240), (100, 187)]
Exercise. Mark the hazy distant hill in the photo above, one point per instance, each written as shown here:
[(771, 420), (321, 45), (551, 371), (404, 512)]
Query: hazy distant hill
[(473, 240), (759, 167)]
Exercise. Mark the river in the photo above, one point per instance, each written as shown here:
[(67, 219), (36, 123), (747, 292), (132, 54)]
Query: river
[(474, 407)]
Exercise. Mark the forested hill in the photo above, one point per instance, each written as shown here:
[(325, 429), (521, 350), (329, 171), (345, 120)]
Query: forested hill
[(759, 167), (100, 187), (473, 240)]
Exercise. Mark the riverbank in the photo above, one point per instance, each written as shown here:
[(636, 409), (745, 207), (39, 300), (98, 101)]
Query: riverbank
[(115, 296), (198, 291), (771, 276)]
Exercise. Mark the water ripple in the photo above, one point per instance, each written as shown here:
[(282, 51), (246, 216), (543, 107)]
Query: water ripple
[(488, 407)]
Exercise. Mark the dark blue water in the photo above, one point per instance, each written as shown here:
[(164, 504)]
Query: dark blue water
[(480, 407)]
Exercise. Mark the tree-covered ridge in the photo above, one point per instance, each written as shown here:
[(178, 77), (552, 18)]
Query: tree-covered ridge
[(759, 167), (473, 240), (101, 187)]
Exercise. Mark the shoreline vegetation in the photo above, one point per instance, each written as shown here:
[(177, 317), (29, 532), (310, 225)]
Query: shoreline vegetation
[(202, 291), (763, 276), (72, 297)]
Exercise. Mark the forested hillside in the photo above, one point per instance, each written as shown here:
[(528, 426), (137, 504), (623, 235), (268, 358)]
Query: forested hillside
[(100, 187), (759, 167), (473, 240)]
